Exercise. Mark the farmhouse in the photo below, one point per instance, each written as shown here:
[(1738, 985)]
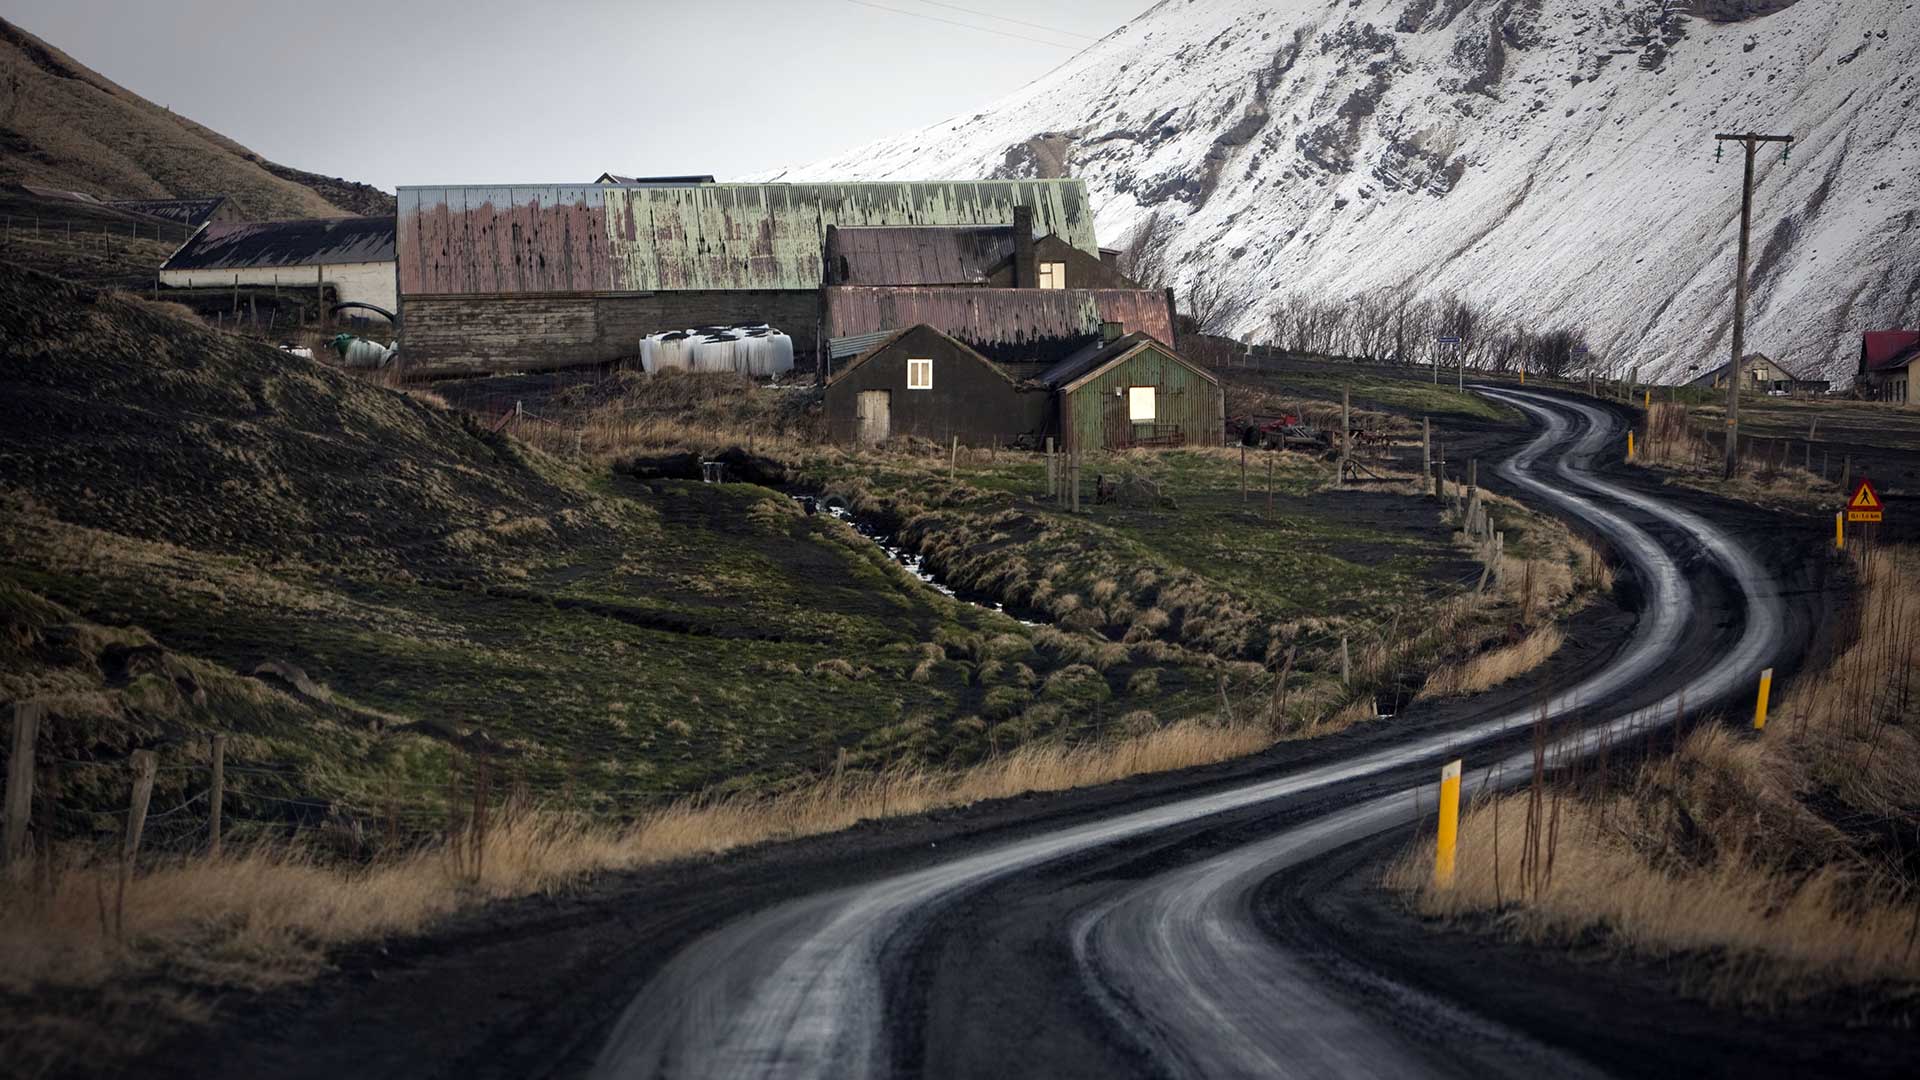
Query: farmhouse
[(1886, 363), (1027, 329), (924, 383), (1114, 392), (1134, 391), (1762, 374), (980, 256), (351, 256), (522, 278)]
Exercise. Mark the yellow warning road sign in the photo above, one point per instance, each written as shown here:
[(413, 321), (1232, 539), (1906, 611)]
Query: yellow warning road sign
[(1865, 504)]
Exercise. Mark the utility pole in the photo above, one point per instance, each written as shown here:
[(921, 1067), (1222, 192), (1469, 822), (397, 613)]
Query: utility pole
[(1751, 143)]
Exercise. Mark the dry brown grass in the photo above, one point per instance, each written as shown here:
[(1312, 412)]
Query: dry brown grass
[(268, 915), (1490, 669), (1769, 473), (1775, 861)]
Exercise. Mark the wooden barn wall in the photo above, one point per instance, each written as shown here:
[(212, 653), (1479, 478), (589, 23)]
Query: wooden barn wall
[(969, 399), (448, 335), (1008, 325), (707, 237), (1093, 416)]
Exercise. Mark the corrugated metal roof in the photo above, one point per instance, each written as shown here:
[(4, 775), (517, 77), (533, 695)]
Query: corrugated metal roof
[(1005, 324), (653, 181), (607, 238), (918, 254), (1091, 361), (855, 344), (181, 211), (1090, 357), (1881, 349), (287, 243)]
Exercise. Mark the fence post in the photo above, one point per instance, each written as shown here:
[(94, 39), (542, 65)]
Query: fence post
[(26, 727), (1053, 481), (216, 794), (1243, 472), (1760, 706), (143, 766), (1449, 825), (1346, 663)]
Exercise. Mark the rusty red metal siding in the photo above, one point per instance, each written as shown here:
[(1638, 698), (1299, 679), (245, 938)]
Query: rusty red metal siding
[(998, 317), (510, 240)]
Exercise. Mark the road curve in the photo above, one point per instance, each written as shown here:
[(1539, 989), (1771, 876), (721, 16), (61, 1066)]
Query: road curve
[(1182, 963), (797, 990)]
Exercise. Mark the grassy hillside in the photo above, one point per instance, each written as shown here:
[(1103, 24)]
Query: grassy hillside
[(65, 126), (219, 505)]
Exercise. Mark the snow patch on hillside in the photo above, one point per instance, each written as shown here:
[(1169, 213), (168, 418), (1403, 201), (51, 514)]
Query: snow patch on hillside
[(1551, 159)]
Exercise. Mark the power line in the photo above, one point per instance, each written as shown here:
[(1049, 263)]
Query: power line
[(968, 26), (1003, 18)]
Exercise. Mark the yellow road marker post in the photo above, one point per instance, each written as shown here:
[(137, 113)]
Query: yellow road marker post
[(1649, 401), (1760, 707), (1840, 531), (1629, 446), (1449, 825)]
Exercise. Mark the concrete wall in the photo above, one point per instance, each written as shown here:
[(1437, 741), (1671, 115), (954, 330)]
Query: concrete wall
[(369, 283), (445, 335)]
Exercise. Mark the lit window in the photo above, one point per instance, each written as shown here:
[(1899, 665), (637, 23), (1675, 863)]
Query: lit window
[(1053, 275), (1140, 404), (919, 374)]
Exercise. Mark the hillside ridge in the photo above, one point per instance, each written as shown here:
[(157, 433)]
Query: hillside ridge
[(66, 126)]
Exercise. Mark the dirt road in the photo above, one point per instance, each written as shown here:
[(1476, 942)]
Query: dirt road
[(1131, 930)]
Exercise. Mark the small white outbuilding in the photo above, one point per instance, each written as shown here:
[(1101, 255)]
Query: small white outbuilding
[(352, 256)]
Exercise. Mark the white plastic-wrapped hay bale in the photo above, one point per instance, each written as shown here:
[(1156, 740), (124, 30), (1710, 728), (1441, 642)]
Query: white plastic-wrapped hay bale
[(716, 352), (671, 351), (766, 353)]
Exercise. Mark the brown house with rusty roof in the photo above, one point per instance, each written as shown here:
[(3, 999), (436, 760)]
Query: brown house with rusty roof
[(1115, 392), (964, 256), (924, 383)]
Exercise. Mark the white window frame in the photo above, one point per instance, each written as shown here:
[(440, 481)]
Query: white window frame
[(1135, 397), (920, 374), (1053, 275)]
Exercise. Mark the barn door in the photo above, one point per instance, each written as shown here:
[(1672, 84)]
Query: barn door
[(1117, 432), (875, 414)]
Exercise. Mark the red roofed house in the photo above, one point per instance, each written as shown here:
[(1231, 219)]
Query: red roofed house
[(1886, 356)]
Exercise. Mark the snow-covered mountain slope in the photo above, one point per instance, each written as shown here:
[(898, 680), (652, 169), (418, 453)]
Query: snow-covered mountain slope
[(1552, 159)]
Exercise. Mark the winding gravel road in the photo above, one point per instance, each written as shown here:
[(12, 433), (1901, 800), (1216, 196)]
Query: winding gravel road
[(1176, 962)]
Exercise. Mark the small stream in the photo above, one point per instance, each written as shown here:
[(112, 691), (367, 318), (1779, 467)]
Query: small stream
[(913, 562)]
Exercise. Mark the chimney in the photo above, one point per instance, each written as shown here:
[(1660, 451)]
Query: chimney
[(1111, 332), (1026, 273)]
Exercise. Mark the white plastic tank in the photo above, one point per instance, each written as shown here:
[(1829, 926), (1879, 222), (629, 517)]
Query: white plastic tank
[(671, 351), (766, 353), (717, 352)]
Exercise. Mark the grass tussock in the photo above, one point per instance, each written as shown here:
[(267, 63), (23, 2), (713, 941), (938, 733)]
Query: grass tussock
[(1770, 471), (1497, 666), (267, 915), (1777, 864)]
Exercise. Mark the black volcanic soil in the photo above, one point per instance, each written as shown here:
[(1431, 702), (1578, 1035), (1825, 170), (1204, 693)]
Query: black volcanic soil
[(530, 987)]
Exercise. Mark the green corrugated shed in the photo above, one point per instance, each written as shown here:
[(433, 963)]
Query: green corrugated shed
[(1098, 399)]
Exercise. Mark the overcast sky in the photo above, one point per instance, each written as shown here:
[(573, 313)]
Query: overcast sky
[(434, 91)]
